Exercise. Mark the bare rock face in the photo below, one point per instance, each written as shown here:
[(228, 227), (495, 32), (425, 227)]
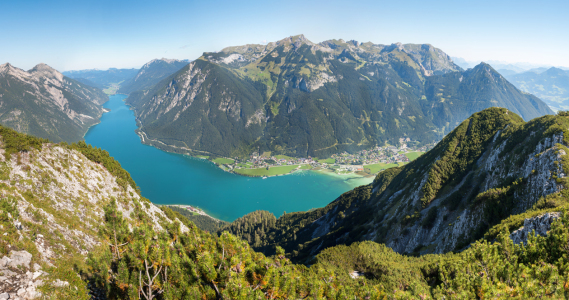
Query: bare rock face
[(17, 280), (540, 224), (19, 258)]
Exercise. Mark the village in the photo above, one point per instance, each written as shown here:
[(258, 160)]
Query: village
[(365, 162)]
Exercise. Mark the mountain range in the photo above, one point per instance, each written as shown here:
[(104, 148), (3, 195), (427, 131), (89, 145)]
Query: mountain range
[(44, 103), (550, 85), (299, 98)]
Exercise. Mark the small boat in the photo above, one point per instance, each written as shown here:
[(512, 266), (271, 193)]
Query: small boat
[(264, 177)]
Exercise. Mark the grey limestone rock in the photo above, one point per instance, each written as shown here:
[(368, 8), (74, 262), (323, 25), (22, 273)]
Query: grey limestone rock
[(20, 258), (4, 261), (541, 224)]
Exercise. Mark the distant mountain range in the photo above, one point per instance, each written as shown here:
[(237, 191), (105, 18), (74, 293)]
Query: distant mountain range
[(101, 78), (299, 98), (550, 85), (151, 73), (44, 103)]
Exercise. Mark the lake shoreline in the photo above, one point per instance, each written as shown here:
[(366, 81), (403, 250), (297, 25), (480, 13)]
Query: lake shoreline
[(196, 210), (168, 178), (144, 139)]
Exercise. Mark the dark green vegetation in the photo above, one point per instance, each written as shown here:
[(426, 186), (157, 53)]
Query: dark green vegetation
[(102, 79), (44, 103), (160, 254), (150, 74), (194, 264), (202, 222), (551, 86), (297, 98), (15, 142), (491, 167)]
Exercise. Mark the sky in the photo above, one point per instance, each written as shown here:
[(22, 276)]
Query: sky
[(74, 35)]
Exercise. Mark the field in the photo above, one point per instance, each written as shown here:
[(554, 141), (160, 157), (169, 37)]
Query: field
[(203, 156), (112, 89), (305, 167), (381, 166), (223, 161), (264, 172), (413, 155)]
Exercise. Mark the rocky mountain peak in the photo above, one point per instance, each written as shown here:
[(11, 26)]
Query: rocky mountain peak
[(296, 40), (553, 71), (5, 67), (484, 68), (354, 42), (166, 60), (43, 70)]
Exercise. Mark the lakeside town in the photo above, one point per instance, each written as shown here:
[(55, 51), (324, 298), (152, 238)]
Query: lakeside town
[(364, 163)]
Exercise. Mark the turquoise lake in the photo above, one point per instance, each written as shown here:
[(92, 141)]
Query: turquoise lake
[(167, 178)]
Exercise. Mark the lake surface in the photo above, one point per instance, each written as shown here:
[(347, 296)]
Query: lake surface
[(167, 178)]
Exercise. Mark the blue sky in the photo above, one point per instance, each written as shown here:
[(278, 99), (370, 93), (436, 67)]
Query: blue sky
[(81, 34)]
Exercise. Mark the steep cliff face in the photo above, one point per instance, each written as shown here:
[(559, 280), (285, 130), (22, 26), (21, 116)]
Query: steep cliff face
[(44, 103), (490, 167)]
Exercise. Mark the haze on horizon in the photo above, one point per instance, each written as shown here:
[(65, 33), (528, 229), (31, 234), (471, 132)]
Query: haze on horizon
[(74, 35)]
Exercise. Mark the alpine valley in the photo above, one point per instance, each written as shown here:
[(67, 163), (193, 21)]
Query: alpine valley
[(481, 215), (75, 227), (298, 98)]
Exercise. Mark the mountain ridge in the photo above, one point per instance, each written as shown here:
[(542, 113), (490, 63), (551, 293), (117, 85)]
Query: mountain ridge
[(316, 99), (45, 103), (151, 73)]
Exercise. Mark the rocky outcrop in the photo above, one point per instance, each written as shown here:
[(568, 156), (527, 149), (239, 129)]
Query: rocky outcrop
[(19, 280), (539, 225)]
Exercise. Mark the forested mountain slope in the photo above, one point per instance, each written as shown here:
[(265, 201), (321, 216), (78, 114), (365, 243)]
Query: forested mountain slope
[(74, 227), (150, 74), (44, 103), (299, 98), (492, 166)]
